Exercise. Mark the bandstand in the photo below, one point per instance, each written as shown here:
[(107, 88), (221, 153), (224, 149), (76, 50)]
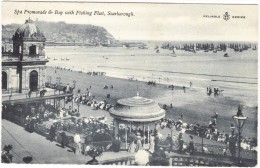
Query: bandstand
[(138, 111)]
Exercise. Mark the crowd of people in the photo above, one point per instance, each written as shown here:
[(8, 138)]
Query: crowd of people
[(84, 128), (209, 132), (88, 99), (153, 83), (215, 91), (92, 73)]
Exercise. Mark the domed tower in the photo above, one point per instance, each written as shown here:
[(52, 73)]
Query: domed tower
[(29, 41), (24, 69)]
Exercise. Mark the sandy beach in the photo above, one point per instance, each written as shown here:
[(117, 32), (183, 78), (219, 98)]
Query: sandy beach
[(195, 105)]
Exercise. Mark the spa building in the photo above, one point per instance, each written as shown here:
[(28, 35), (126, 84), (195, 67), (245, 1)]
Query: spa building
[(23, 70)]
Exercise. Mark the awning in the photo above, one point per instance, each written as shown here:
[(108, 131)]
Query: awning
[(35, 99)]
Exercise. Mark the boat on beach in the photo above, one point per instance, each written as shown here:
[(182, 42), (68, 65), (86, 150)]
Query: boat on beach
[(67, 58), (54, 58), (62, 58), (143, 47), (226, 55)]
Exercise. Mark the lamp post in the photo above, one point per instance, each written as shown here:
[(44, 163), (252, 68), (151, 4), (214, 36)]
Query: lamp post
[(239, 120)]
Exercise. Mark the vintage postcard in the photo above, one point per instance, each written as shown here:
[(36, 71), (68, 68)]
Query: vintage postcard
[(124, 83)]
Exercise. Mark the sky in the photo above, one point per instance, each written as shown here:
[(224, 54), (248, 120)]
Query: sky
[(163, 22)]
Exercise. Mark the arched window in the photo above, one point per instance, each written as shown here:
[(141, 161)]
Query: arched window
[(4, 80), (33, 81), (32, 50)]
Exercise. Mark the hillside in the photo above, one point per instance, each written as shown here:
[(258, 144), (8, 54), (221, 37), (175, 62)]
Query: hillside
[(61, 32)]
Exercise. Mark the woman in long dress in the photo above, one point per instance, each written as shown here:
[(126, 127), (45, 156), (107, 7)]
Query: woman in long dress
[(132, 139), (77, 140), (151, 147), (132, 147), (139, 143)]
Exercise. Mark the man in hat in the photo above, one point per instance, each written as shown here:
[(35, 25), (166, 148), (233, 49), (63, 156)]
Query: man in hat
[(52, 133), (64, 139), (191, 148), (232, 146), (169, 139), (232, 127), (180, 141), (68, 88)]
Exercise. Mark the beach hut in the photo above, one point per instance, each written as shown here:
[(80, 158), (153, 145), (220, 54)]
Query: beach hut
[(136, 111)]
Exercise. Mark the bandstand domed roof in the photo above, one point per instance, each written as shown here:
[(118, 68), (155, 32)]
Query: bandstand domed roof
[(29, 30), (137, 109)]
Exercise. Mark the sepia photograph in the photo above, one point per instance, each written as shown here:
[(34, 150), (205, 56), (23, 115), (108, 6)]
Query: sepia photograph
[(129, 83)]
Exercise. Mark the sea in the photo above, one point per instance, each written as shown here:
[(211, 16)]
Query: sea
[(236, 75)]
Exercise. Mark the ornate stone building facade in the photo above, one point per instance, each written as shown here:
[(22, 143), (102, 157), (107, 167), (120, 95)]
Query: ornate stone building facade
[(24, 69)]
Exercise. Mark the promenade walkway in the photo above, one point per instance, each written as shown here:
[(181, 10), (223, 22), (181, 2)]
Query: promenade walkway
[(42, 150), (15, 96)]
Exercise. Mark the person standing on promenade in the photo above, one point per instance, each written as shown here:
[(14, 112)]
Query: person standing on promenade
[(232, 146), (116, 143), (139, 145), (132, 146), (191, 148), (77, 140), (68, 88), (215, 115), (181, 118), (52, 133), (180, 141), (232, 127), (151, 147), (132, 139), (63, 139), (169, 139)]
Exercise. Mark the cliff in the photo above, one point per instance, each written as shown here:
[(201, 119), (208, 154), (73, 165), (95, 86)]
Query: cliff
[(61, 32)]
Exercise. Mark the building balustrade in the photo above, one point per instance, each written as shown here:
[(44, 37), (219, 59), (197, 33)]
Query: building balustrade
[(220, 151), (224, 151), (128, 161), (173, 161)]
